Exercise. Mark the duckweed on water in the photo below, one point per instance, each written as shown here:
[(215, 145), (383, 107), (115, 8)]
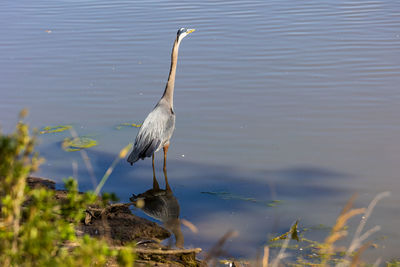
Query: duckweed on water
[(55, 129), (230, 196), (78, 143), (273, 203), (127, 124)]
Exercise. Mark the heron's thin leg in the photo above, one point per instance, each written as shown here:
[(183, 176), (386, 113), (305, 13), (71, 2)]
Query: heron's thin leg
[(167, 187), (155, 183), (165, 156)]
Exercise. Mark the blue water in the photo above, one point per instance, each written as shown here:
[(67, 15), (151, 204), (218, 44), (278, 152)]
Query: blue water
[(295, 101)]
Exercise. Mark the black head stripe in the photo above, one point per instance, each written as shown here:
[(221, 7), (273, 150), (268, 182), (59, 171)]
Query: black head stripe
[(180, 31)]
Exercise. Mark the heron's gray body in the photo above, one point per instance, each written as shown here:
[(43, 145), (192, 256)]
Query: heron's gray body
[(155, 133)]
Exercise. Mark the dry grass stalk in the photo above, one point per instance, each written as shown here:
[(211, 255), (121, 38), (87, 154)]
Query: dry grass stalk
[(217, 250), (338, 230), (110, 169), (377, 262), (356, 258), (344, 217), (356, 243), (265, 257), (190, 225)]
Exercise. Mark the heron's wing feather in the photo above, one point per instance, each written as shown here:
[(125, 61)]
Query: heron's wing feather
[(156, 129)]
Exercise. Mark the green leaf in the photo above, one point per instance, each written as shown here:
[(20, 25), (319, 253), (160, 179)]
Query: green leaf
[(78, 143), (127, 124), (55, 129)]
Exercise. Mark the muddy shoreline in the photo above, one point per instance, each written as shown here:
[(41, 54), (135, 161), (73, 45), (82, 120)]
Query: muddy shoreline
[(119, 226)]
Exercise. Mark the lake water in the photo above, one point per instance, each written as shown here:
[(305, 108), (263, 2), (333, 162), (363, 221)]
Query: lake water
[(296, 101)]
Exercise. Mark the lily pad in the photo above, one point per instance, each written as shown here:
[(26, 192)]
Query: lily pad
[(127, 124), (78, 143), (55, 129)]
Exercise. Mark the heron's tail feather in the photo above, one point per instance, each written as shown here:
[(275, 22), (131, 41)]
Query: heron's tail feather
[(141, 152), (132, 158)]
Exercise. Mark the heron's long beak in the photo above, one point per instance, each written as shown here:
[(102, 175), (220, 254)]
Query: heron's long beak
[(190, 31)]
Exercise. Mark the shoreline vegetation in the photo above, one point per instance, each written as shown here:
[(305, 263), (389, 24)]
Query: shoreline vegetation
[(42, 226), (117, 225)]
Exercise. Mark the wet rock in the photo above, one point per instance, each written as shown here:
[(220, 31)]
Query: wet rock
[(36, 182), (117, 223)]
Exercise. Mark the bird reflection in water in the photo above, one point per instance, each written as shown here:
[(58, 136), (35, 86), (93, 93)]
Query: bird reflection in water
[(161, 205)]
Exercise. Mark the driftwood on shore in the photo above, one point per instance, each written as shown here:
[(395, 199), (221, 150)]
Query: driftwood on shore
[(118, 225)]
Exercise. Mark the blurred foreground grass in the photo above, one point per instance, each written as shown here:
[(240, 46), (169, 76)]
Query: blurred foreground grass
[(35, 228)]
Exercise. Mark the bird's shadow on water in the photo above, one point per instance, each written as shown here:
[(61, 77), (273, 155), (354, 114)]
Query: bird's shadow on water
[(296, 182), (215, 196)]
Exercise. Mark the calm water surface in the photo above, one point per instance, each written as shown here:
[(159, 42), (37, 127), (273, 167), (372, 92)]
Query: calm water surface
[(296, 101)]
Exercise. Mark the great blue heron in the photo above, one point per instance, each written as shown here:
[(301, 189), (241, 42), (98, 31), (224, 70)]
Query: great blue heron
[(157, 128)]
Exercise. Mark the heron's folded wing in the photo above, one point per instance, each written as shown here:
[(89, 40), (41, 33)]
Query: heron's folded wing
[(156, 129)]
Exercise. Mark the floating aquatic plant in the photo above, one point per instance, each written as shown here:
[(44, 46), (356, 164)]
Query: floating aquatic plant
[(230, 196), (127, 124), (78, 143), (292, 233), (55, 129), (273, 203)]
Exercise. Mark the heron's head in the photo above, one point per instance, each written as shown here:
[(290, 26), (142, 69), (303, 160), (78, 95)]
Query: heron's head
[(182, 33)]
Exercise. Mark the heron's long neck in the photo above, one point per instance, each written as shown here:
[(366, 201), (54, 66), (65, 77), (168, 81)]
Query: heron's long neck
[(169, 88)]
